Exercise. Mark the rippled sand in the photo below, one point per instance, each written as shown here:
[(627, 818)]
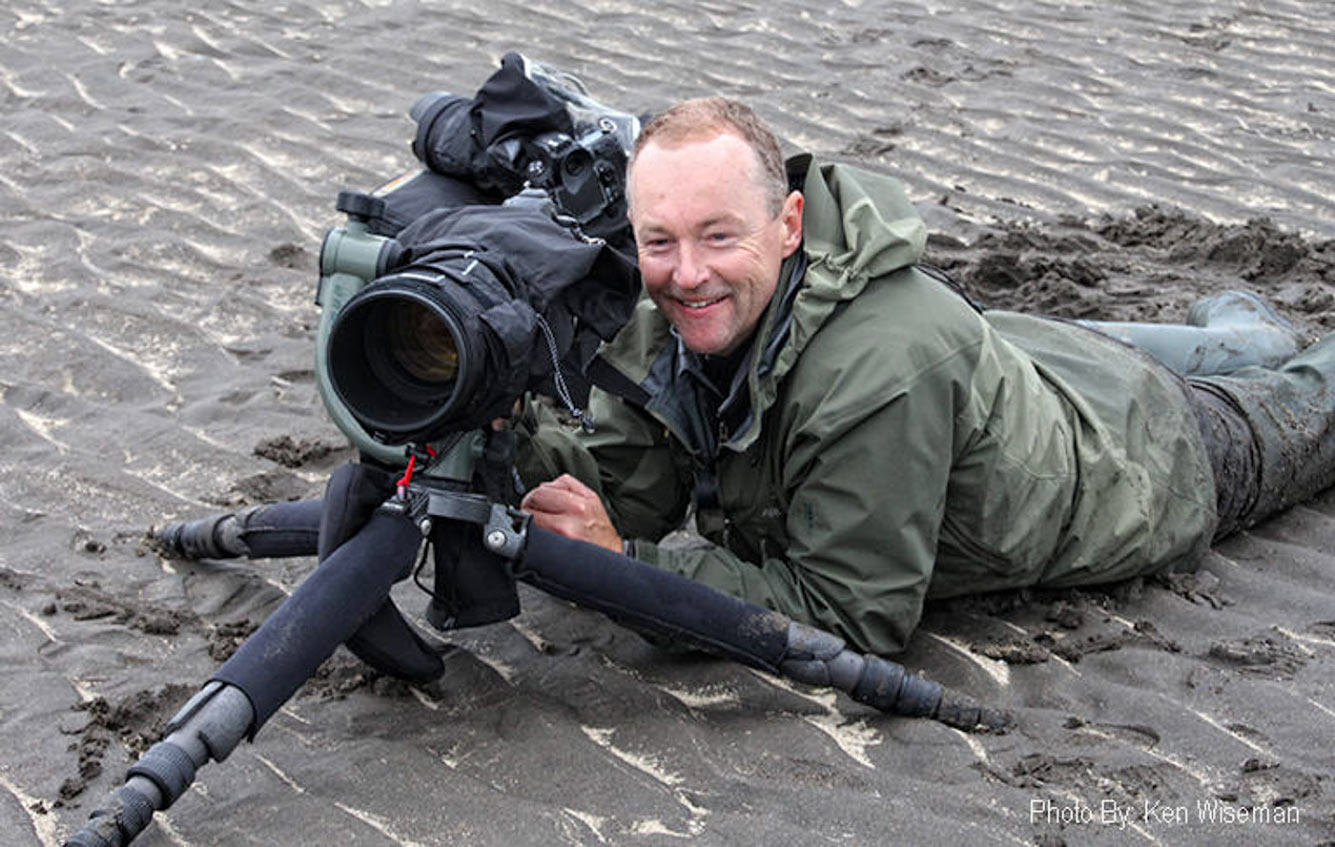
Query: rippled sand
[(166, 175)]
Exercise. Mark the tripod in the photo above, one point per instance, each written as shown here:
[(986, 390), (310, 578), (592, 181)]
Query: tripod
[(369, 541)]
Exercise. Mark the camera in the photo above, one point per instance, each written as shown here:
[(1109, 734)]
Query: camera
[(533, 126), (497, 270), (585, 177)]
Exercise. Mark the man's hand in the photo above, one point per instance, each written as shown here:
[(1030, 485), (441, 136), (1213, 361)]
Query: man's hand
[(568, 507)]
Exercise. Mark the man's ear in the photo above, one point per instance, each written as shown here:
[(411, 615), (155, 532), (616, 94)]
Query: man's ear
[(792, 222)]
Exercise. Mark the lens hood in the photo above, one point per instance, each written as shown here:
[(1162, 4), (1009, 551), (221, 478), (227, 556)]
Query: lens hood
[(379, 349)]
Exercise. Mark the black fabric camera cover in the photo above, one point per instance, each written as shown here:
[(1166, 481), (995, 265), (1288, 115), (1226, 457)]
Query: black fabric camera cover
[(462, 138), (531, 267)]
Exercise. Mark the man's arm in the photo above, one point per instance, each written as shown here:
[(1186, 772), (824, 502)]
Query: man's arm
[(626, 462), (864, 512), (865, 496)]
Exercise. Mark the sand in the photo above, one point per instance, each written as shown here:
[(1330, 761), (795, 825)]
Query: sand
[(165, 177)]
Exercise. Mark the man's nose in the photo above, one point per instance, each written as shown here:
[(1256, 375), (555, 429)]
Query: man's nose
[(692, 269)]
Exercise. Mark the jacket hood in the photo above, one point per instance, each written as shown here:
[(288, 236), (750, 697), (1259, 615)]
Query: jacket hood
[(856, 226)]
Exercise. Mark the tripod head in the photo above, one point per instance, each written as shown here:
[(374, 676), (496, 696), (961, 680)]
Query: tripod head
[(457, 501)]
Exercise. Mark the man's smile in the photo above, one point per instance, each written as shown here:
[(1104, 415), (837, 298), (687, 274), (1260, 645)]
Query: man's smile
[(697, 304)]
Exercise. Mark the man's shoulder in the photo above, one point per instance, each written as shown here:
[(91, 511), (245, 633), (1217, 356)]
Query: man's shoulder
[(637, 344), (906, 312), (904, 333)]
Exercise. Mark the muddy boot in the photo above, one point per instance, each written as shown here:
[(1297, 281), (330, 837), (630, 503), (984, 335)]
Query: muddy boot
[(1270, 434), (1223, 333)]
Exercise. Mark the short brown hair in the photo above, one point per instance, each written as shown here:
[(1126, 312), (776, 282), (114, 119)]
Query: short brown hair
[(705, 117)]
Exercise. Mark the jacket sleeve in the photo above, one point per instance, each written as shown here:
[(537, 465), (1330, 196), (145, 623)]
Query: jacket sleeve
[(865, 486), (626, 459)]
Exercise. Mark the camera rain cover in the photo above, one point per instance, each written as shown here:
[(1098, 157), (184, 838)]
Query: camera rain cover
[(480, 139), (506, 271)]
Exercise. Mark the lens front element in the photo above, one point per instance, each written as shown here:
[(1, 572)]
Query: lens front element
[(419, 342)]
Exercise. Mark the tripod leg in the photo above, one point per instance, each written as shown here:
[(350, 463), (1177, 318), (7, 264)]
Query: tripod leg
[(386, 641), (665, 603), (275, 531), (207, 728), (334, 602)]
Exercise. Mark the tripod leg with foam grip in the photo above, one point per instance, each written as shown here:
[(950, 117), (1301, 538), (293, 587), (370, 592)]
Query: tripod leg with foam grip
[(647, 598), (273, 531), (349, 588), (386, 641)]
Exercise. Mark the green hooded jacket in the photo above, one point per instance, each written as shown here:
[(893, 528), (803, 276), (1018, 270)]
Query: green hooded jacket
[(889, 443)]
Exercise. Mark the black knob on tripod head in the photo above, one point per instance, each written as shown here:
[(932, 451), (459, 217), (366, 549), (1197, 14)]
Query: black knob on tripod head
[(360, 206)]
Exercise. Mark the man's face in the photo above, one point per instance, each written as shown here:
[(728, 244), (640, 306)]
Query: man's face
[(709, 248)]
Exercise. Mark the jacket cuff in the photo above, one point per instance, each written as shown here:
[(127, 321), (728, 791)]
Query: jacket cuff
[(642, 550)]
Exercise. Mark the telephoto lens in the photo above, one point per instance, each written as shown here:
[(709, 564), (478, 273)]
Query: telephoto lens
[(403, 358), (487, 302), (418, 344)]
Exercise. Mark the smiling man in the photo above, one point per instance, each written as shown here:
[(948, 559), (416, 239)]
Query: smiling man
[(712, 233), (852, 436)]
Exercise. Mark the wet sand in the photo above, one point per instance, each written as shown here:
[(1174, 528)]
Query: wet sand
[(166, 175)]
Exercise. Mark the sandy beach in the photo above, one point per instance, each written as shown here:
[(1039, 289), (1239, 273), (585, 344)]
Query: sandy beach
[(166, 176)]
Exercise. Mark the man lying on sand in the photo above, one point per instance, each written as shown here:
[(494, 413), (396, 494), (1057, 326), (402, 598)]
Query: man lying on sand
[(853, 436)]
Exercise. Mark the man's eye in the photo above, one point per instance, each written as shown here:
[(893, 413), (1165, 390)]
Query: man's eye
[(718, 237)]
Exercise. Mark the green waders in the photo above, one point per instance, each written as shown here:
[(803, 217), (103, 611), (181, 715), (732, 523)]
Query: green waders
[(1223, 333), (1266, 411), (1270, 434)]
